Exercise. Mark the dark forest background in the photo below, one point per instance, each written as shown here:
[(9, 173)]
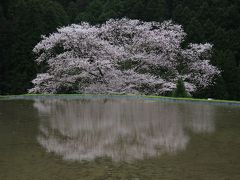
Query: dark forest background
[(22, 22)]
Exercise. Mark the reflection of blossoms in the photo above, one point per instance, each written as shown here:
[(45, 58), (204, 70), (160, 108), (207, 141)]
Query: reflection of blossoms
[(120, 129), (201, 118)]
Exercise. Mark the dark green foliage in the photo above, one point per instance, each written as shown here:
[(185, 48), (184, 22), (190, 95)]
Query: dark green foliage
[(215, 21), (180, 91), (3, 50), (27, 21)]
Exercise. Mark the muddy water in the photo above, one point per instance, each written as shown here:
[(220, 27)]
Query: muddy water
[(109, 138)]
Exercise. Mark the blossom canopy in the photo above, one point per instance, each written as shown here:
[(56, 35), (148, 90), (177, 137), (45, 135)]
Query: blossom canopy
[(122, 56)]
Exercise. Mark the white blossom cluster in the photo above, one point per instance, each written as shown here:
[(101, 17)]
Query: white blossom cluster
[(121, 56)]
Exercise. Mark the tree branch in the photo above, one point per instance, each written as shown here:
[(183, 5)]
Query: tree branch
[(141, 64), (100, 71)]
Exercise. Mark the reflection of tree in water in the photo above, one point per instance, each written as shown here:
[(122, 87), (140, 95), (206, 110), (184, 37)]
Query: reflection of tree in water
[(120, 129)]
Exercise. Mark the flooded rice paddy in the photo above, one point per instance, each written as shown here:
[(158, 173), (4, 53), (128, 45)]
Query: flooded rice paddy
[(107, 138)]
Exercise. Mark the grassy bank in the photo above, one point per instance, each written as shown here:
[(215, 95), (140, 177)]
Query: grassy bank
[(121, 95)]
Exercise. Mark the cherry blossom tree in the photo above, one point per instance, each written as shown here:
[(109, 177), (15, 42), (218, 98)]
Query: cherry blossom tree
[(121, 56)]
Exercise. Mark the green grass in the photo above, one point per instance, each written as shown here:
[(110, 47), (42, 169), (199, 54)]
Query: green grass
[(126, 95)]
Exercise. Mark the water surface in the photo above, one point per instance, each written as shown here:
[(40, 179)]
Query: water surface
[(118, 138)]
